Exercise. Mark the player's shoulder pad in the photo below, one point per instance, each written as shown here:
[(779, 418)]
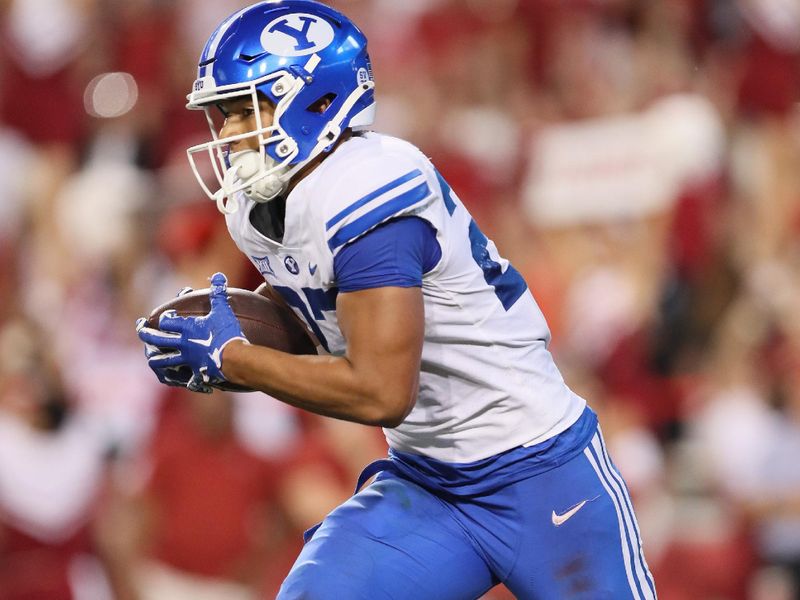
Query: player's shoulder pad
[(375, 181)]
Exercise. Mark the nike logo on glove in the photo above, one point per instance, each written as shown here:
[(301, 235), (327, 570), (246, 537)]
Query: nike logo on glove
[(559, 520), (216, 356), (206, 343)]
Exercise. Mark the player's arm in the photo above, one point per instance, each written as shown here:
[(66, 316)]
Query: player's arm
[(381, 316), (374, 383)]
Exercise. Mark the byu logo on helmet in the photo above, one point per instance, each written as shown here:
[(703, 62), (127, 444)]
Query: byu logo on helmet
[(297, 35)]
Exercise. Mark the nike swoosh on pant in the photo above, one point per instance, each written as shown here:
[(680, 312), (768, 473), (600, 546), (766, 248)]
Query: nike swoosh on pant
[(559, 520)]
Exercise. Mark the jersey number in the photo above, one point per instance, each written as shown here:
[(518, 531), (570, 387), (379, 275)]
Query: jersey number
[(508, 285), (319, 300)]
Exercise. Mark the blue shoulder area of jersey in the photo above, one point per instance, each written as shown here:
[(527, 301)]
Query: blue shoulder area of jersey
[(397, 253), (487, 475), (379, 205)]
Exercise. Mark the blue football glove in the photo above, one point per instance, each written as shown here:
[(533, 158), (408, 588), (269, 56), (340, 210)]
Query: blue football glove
[(175, 376), (191, 347)]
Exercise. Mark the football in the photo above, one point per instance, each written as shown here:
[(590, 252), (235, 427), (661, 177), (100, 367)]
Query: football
[(265, 318)]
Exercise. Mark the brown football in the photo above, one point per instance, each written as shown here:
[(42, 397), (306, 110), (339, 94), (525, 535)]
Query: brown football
[(265, 318)]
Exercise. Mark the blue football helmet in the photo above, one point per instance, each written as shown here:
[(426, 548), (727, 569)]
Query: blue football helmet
[(299, 55)]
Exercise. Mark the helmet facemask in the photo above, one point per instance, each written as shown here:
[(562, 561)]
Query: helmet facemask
[(263, 174), (256, 173)]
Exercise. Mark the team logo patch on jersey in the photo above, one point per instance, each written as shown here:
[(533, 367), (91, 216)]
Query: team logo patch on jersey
[(263, 266), (291, 265), (297, 34)]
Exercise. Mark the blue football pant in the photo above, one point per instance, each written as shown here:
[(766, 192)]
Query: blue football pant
[(569, 532)]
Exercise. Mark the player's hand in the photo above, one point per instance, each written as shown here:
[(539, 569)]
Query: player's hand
[(194, 343), (174, 376)]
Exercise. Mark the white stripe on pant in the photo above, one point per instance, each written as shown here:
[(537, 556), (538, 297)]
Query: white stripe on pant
[(635, 566)]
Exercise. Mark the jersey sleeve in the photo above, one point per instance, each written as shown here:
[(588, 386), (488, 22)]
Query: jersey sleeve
[(372, 191), (397, 253)]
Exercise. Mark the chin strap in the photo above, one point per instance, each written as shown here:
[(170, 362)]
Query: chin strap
[(227, 203), (266, 189), (247, 165)]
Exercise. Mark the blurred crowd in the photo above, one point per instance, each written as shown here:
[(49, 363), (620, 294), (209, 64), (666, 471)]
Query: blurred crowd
[(637, 160)]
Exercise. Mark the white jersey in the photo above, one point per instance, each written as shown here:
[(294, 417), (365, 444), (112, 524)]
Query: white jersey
[(487, 381)]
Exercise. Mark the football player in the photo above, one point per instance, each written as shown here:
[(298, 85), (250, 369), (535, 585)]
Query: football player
[(497, 471)]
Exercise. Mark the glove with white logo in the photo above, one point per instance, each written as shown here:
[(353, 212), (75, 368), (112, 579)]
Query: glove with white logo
[(178, 376), (183, 345)]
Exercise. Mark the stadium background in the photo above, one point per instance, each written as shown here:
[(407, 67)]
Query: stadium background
[(638, 161)]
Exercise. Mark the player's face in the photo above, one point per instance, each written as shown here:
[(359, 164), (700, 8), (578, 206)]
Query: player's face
[(239, 116)]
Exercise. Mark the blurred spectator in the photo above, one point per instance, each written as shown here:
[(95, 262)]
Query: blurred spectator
[(206, 515), (52, 477), (44, 42), (218, 512)]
